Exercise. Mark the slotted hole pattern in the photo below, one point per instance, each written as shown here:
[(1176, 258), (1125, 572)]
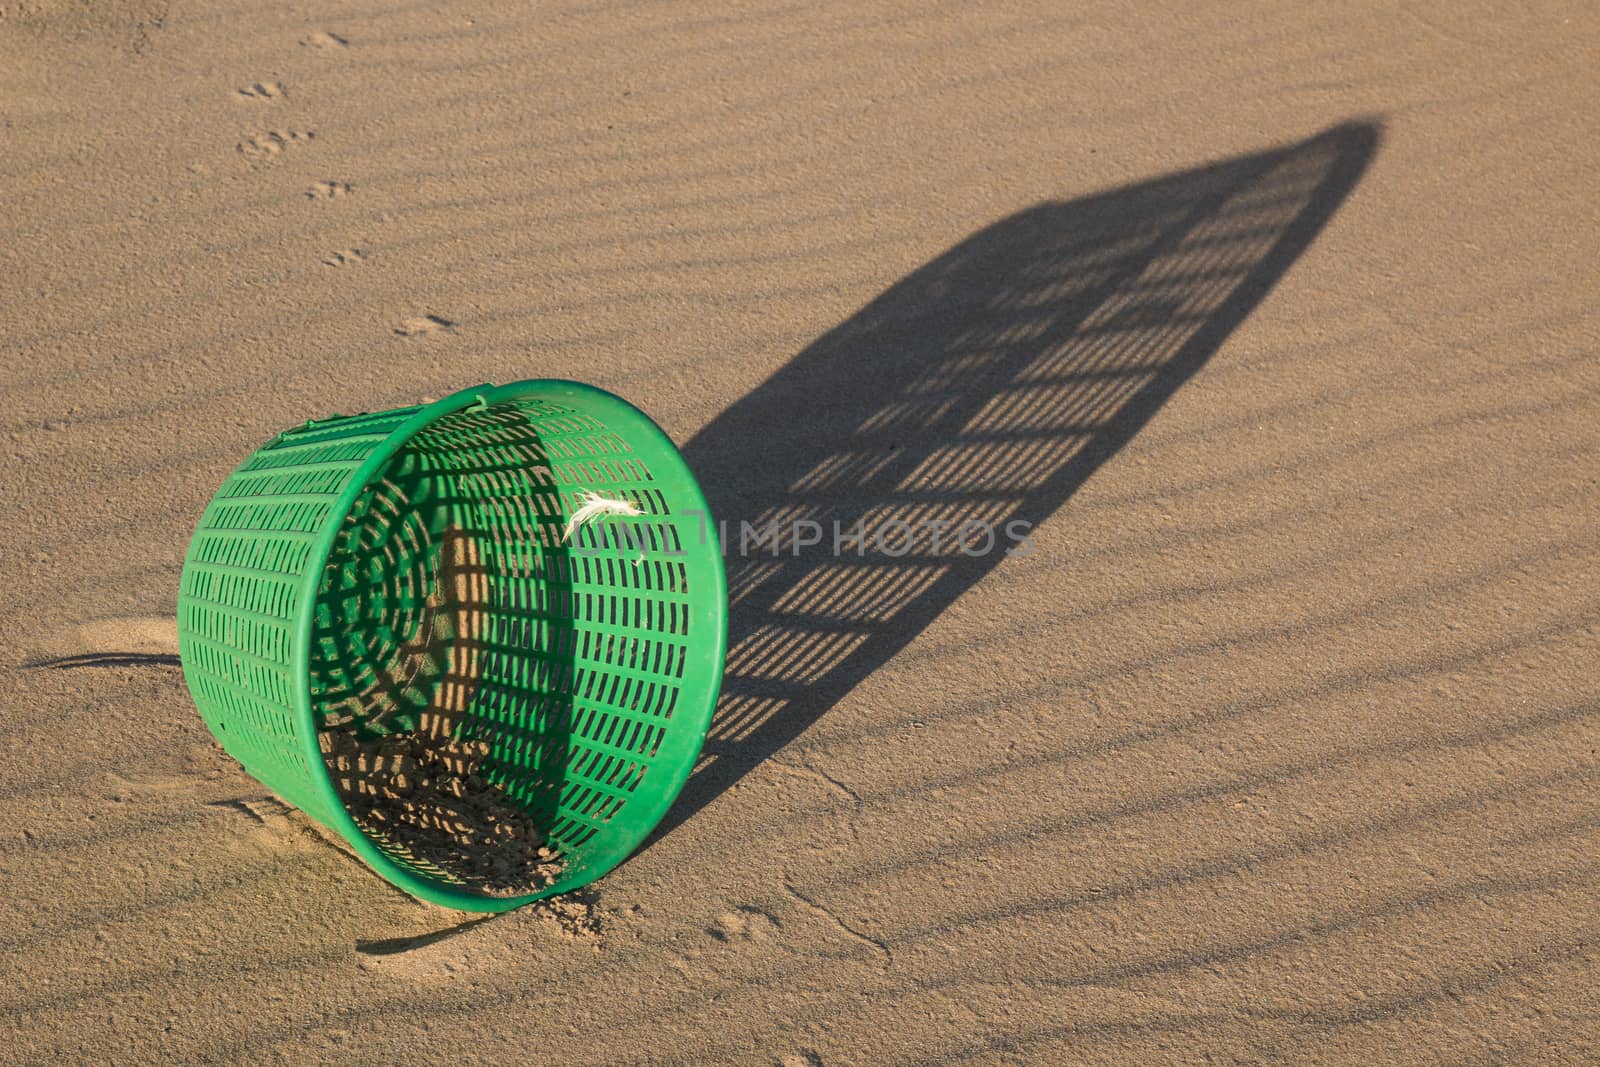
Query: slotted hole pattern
[(568, 659)]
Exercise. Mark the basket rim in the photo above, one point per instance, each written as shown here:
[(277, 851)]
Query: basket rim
[(693, 712)]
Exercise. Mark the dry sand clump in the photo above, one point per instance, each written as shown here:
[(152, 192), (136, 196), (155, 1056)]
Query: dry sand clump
[(424, 797)]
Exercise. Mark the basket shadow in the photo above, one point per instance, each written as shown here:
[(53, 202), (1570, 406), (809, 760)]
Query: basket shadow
[(983, 389)]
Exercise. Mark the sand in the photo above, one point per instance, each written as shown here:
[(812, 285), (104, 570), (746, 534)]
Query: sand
[(426, 797), (1276, 739)]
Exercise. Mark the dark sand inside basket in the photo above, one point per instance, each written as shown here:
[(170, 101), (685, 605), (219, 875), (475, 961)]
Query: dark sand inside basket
[(400, 753)]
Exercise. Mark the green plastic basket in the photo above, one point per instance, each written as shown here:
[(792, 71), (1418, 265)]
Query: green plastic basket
[(595, 658)]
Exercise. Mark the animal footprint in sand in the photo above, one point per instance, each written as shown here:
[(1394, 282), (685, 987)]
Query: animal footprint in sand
[(424, 325), (324, 39), (345, 257), (262, 91), (328, 190), (260, 810), (744, 924), (265, 147)]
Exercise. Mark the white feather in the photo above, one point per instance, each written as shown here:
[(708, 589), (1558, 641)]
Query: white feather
[(592, 506)]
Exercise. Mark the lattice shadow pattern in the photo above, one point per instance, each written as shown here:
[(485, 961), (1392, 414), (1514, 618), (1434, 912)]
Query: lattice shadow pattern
[(985, 388)]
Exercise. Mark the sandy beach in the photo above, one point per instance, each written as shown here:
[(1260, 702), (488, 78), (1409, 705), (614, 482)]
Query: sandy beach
[(1271, 735)]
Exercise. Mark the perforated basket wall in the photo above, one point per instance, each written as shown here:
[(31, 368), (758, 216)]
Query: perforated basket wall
[(594, 663)]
